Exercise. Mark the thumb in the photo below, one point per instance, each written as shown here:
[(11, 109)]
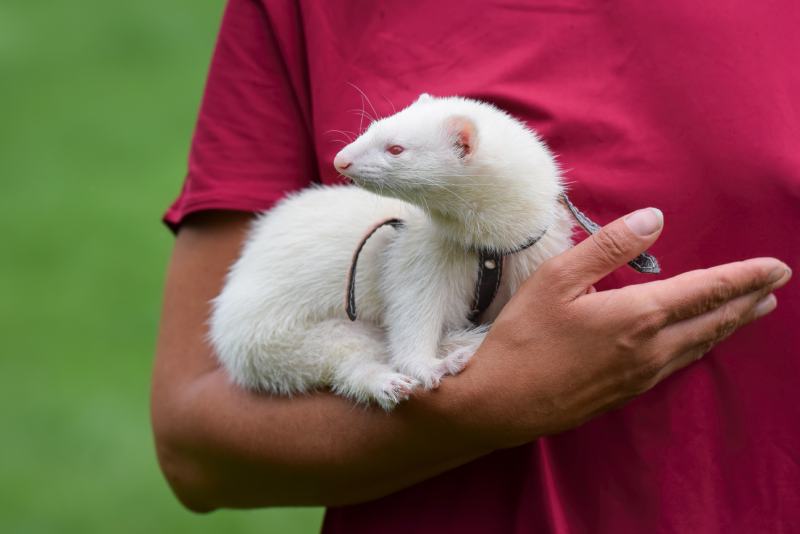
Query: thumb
[(612, 246)]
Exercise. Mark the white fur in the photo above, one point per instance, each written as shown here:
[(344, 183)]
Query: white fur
[(279, 324)]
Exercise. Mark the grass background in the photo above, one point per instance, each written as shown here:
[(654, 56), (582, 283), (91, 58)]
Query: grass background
[(97, 103)]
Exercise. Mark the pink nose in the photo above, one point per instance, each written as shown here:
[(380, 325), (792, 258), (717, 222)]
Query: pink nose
[(341, 163)]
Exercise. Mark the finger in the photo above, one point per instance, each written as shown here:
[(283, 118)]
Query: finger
[(683, 360), (698, 334), (694, 293), (693, 353), (614, 245)]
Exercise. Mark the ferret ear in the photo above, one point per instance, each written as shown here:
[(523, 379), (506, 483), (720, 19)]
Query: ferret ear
[(424, 97), (463, 135)]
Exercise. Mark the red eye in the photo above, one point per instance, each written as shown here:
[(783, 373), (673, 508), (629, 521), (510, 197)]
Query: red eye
[(395, 150)]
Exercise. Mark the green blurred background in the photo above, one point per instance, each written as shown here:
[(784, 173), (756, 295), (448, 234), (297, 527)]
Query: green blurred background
[(97, 105)]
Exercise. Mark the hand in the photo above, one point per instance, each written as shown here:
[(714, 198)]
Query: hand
[(560, 353)]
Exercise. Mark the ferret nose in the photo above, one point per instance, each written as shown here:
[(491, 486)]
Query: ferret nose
[(341, 163)]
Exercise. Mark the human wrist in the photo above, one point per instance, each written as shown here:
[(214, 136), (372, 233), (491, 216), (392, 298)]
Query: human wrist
[(459, 411)]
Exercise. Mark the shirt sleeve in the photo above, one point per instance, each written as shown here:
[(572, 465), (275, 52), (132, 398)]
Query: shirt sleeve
[(252, 141)]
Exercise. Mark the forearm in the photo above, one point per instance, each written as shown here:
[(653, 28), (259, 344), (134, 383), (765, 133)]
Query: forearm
[(220, 446)]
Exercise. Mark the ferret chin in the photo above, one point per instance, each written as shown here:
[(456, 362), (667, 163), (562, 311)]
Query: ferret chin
[(464, 177)]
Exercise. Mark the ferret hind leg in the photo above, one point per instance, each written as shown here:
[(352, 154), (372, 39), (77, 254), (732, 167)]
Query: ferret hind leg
[(359, 368), (349, 357)]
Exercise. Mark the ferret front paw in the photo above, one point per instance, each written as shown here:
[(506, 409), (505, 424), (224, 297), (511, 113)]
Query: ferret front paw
[(455, 362), (428, 373), (390, 389)]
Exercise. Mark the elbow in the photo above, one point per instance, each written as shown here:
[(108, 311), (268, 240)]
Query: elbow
[(184, 476), (180, 463)]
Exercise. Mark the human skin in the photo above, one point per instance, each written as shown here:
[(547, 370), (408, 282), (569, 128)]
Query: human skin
[(562, 352)]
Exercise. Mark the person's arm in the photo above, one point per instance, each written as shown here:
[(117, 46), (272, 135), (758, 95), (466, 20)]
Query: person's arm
[(554, 358)]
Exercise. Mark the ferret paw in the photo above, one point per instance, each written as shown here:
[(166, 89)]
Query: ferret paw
[(392, 388), (454, 363), (429, 374)]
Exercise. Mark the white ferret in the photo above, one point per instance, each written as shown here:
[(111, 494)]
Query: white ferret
[(464, 177)]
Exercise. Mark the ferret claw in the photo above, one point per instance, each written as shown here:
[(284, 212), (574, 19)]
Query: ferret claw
[(394, 389), (455, 362)]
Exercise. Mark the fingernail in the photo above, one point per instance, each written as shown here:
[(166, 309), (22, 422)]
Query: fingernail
[(645, 222), (780, 273), (765, 305)]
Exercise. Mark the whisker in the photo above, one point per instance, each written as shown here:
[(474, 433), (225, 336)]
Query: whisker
[(348, 134), (394, 111), (364, 97), (462, 199), (361, 118), (346, 178), (363, 113)]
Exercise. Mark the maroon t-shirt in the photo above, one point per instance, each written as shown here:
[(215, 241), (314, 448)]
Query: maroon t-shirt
[(691, 106)]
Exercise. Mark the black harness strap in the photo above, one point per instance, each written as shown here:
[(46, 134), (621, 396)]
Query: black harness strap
[(490, 264), (644, 262), (350, 305), (490, 272)]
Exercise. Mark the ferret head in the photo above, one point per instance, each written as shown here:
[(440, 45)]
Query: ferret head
[(462, 161)]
